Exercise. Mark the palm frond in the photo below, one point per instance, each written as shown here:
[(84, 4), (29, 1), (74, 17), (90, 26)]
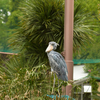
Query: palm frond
[(42, 21)]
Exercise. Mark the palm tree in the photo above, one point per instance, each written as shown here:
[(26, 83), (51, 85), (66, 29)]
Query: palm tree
[(43, 21)]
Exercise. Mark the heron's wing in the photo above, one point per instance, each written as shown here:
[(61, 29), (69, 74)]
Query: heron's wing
[(62, 62), (58, 63)]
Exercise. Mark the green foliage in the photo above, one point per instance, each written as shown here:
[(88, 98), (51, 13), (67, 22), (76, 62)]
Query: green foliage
[(48, 21), (18, 80), (95, 86), (83, 32), (42, 21), (14, 4), (89, 5), (4, 10), (4, 37), (25, 76), (96, 96), (13, 19), (8, 21), (94, 71), (90, 50), (3, 27), (38, 23)]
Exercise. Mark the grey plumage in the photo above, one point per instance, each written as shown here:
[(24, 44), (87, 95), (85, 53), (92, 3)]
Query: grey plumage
[(57, 63)]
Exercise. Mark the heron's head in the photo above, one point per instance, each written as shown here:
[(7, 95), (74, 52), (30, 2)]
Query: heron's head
[(52, 46)]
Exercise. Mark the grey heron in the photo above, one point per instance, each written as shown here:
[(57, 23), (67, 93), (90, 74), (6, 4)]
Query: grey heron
[(57, 62)]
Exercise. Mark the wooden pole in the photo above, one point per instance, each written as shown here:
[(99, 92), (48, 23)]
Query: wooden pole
[(68, 40)]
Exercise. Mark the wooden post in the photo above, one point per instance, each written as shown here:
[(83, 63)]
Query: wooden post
[(68, 40)]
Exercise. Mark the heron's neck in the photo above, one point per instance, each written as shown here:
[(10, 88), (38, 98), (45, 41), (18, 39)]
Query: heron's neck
[(51, 51)]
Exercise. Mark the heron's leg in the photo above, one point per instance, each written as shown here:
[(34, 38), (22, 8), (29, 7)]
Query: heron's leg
[(53, 83), (59, 90), (58, 86)]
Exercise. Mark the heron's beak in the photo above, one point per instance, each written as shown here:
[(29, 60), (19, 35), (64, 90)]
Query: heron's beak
[(49, 48)]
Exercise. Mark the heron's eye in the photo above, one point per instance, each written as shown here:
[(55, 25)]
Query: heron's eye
[(53, 44)]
